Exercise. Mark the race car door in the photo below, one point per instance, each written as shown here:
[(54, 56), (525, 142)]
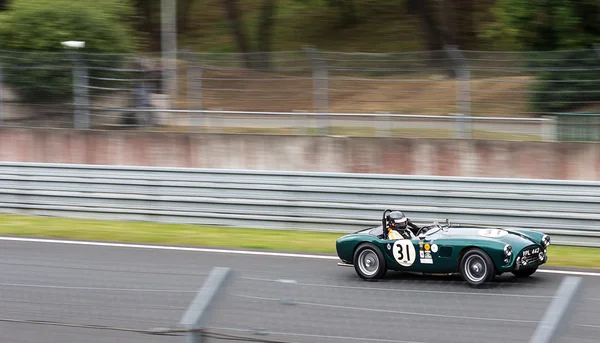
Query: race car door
[(410, 254)]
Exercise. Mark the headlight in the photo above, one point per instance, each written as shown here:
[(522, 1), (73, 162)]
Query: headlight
[(546, 240), (507, 250)]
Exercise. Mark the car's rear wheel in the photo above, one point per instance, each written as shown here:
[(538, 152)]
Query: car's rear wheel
[(524, 272), (476, 267), (369, 262)]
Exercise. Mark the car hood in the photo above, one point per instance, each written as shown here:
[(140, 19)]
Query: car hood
[(514, 238)]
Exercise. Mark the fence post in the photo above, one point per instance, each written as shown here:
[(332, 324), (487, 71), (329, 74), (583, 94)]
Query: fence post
[(1, 95), (463, 90), (80, 90), (549, 129), (187, 56), (320, 85), (168, 40), (194, 90), (193, 318)]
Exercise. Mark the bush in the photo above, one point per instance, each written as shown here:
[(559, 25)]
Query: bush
[(33, 60), (565, 81)]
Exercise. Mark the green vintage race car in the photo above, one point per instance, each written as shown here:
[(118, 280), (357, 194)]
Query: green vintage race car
[(478, 254)]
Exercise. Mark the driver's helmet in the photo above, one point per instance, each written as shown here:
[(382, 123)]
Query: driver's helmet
[(397, 220)]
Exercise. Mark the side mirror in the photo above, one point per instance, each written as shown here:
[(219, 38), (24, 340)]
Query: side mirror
[(422, 236)]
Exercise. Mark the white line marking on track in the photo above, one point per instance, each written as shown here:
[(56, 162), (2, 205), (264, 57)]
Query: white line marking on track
[(567, 272), (165, 247), (404, 290), (588, 326), (341, 307), (314, 336), (222, 251), (107, 289)]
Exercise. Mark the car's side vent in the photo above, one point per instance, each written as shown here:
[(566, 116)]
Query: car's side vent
[(445, 251)]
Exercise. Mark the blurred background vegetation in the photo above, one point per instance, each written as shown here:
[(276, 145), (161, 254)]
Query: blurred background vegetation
[(125, 26), (340, 25)]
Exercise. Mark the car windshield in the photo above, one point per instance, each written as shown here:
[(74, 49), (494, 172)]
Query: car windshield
[(376, 231), (435, 228)]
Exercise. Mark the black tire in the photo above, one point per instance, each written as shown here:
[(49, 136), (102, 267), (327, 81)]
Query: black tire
[(476, 267), (369, 262), (524, 272)]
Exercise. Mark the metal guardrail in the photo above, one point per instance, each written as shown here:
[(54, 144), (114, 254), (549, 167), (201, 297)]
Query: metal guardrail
[(335, 202)]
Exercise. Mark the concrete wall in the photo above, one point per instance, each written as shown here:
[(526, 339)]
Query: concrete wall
[(549, 160)]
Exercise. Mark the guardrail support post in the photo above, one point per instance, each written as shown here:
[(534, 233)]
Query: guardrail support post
[(194, 317)]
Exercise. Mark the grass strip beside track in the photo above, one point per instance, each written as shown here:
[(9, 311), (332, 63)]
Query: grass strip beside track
[(209, 236)]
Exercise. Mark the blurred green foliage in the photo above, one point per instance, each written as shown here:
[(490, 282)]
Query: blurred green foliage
[(35, 28), (31, 31), (546, 25), (566, 80)]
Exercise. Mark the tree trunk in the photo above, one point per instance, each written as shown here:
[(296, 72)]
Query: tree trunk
[(183, 15), (465, 25), (241, 40), (429, 24), (448, 20), (265, 31), (348, 16), (435, 35), (146, 10)]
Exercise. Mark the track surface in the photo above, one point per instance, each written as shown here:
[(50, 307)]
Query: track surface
[(141, 289)]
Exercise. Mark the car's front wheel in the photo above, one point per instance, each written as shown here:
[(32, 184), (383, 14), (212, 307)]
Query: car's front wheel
[(476, 267), (524, 272), (369, 262)]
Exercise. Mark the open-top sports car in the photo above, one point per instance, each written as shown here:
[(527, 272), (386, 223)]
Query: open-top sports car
[(478, 254)]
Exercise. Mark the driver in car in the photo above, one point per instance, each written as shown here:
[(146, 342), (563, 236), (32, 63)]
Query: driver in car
[(399, 226)]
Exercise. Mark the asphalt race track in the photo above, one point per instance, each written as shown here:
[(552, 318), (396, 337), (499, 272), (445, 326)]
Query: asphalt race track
[(77, 293)]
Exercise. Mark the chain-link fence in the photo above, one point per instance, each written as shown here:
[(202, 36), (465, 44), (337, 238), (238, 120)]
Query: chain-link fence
[(446, 93)]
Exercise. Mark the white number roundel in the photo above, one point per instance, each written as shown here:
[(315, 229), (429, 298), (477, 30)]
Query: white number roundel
[(493, 233), (404, 252)]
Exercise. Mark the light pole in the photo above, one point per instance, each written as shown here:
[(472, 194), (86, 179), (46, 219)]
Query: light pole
[(80, 86)]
